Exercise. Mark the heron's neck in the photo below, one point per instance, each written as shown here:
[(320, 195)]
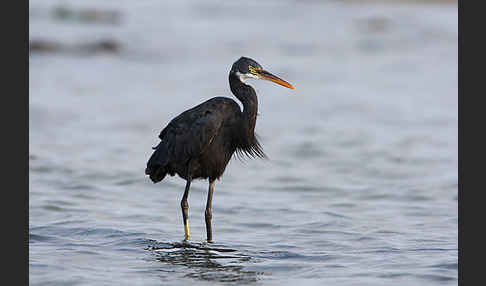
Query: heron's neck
[(247, 95)]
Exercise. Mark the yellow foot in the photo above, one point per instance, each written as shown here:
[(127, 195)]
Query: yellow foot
[(186, 230)]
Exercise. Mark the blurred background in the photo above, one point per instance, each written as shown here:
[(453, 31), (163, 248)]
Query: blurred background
[(361, 183)]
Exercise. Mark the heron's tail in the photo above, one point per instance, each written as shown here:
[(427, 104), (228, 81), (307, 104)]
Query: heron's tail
[(156, 165)]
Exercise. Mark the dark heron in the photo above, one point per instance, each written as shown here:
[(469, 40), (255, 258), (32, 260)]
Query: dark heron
[(199, 143)]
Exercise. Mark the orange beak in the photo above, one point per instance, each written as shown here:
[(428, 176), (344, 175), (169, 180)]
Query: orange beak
[(263, 74)]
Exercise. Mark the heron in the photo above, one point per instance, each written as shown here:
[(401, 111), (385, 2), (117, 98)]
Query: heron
[(199, 142)]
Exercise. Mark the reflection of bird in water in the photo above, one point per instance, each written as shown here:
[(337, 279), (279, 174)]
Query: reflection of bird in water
[(202, 262), (200, 141)]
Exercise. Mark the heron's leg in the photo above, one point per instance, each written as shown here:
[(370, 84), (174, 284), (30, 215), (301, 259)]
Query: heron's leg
[(208, 214), (185, 208)]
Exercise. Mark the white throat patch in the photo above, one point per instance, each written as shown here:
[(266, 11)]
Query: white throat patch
[(244, 76)]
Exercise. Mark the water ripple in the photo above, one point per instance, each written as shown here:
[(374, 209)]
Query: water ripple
[(202, 261)]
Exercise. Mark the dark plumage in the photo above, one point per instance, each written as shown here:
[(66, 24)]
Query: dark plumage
[(198, 143)]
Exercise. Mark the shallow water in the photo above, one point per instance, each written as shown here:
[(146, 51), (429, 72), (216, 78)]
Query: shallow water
[(361, 183)]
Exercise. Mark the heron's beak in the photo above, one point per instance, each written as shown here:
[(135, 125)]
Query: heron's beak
[(263, 74)]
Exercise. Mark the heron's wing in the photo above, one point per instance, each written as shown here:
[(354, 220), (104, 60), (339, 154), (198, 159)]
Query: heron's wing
[(187, 135)]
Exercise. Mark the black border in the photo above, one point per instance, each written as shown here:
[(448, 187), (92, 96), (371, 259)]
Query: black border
[(15, 136), (460, 73)]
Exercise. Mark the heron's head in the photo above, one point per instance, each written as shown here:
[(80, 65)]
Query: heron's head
[(245, 68)]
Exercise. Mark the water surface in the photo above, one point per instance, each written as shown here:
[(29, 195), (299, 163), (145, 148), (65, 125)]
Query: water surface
[(361, 183)]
